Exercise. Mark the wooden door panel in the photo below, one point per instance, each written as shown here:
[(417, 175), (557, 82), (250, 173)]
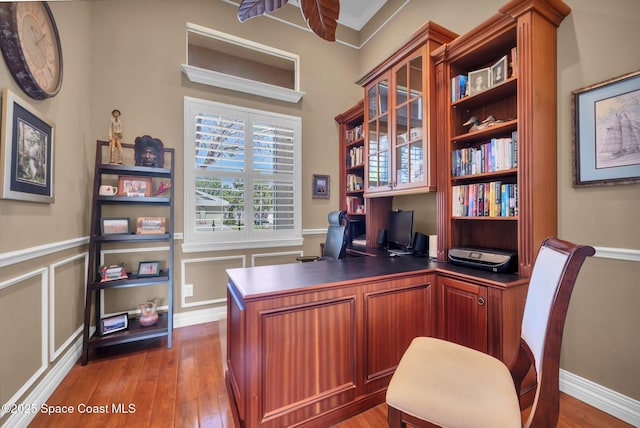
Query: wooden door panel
[(392, 319), (308, 357), (462, 313)]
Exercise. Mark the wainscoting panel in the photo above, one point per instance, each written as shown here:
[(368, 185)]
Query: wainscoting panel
[(208, 279)]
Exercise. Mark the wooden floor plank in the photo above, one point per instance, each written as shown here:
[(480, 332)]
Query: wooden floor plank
[(184, 387)]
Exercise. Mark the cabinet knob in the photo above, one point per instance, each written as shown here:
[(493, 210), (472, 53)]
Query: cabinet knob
[(481, 300)]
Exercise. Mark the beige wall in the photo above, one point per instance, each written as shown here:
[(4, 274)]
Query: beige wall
[(127, 55)]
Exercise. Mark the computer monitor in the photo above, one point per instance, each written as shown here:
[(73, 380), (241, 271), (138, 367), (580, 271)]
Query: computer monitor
[(400, 230)]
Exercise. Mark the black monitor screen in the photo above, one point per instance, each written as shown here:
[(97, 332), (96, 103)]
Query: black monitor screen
[(400, 228)]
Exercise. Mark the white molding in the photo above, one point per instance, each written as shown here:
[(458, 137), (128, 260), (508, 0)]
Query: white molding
[(183, 280), (600, 397), (14, 257), (185, 319), (198, 247), (266, 255), (314, 231), (618, 253), (44, 361), (240, 84), (43, 390), (55, 353)]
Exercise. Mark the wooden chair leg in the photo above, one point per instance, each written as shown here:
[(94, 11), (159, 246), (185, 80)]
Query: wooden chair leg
[(395, 418)]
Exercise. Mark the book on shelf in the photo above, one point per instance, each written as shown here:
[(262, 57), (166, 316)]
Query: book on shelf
[(355, 183), (354, 156), (459, 87), (497, 155), (354, 134), (492, 199)]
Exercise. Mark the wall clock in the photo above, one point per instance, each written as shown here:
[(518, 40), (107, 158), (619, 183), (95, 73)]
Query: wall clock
[(31, 47)]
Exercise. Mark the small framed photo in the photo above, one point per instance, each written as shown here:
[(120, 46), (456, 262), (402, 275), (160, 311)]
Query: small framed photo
[(115, 323), (148, 269), (150, 225), (320, 186), (479, 80), (499, 71), (112, 272), (114, 226), (26, 166), (134, 186), (606, 132)]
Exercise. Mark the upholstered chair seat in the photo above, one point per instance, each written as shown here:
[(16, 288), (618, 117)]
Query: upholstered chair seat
[(435, 377)]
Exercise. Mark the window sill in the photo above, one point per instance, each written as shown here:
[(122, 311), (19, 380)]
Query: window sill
[(226, 81)]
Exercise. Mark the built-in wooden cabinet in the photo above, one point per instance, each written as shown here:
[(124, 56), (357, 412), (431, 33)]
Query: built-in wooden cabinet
[(311, 357), (364, 216), (399, 117), (523, 103)]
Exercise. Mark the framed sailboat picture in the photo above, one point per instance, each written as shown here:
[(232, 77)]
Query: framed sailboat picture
[(606, 132)]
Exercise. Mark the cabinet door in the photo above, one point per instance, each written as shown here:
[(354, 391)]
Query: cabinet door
[(462, 313), (378, 139), (408, 139)]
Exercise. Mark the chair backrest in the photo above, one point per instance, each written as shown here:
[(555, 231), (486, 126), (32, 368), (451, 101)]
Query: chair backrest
[(550, 287), (335, 245)]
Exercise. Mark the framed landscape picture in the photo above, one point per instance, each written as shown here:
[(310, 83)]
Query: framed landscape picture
[(27, 139), (606, 132)]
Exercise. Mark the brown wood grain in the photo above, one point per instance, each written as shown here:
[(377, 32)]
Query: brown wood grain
[(159, 379)]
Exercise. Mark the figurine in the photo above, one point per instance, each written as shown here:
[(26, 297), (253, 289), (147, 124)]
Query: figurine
[(476, 125), (149, 152), (115, 136)]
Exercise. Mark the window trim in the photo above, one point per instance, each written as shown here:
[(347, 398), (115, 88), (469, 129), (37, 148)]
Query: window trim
[(271, 240)]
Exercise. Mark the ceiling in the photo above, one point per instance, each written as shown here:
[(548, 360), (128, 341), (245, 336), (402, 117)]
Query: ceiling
[(354, 13)]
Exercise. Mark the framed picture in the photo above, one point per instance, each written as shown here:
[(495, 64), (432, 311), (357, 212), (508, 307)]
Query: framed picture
[(134, 186), (320, 186), (112, 272), (114, 323), (499, 71), (606, 132), (479, 80), (150, 225), (114, 226), (26, 143), (148, 269)]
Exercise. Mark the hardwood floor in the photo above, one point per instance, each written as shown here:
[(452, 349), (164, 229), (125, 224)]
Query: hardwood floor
[(145, 384)]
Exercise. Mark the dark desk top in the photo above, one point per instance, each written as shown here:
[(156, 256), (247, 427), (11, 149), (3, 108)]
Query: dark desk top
[(263, 281)]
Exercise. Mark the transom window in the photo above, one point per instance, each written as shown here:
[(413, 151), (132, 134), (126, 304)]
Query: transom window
[(242, 175)]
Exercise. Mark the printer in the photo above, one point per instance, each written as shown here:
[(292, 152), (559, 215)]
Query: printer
[(484, 258)]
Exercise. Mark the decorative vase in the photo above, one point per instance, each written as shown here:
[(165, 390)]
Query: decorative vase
[(149, 315)]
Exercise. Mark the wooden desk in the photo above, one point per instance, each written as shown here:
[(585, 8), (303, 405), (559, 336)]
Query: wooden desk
[(311, 344)]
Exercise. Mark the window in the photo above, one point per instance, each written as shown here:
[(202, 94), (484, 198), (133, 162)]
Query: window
[(242, 177)]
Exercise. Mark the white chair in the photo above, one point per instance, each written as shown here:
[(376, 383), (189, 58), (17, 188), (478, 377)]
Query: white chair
[(439, 383)]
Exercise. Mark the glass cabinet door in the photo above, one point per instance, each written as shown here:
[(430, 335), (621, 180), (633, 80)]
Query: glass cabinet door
[(378, 162), (409, 148)]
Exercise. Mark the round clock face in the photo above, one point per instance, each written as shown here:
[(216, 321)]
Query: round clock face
[(31, 48)]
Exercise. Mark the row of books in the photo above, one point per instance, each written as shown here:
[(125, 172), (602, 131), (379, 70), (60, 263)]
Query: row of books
[(354, 156), (355, 205), (496, 155), (493, 199), (464, 85), (354, 134), (354, 183)]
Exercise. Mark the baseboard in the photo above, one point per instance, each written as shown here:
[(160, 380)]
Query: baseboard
[(600, 397), (43, 389), (184, 319)]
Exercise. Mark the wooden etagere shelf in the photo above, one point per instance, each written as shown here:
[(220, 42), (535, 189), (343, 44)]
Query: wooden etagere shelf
[(107, 172)]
